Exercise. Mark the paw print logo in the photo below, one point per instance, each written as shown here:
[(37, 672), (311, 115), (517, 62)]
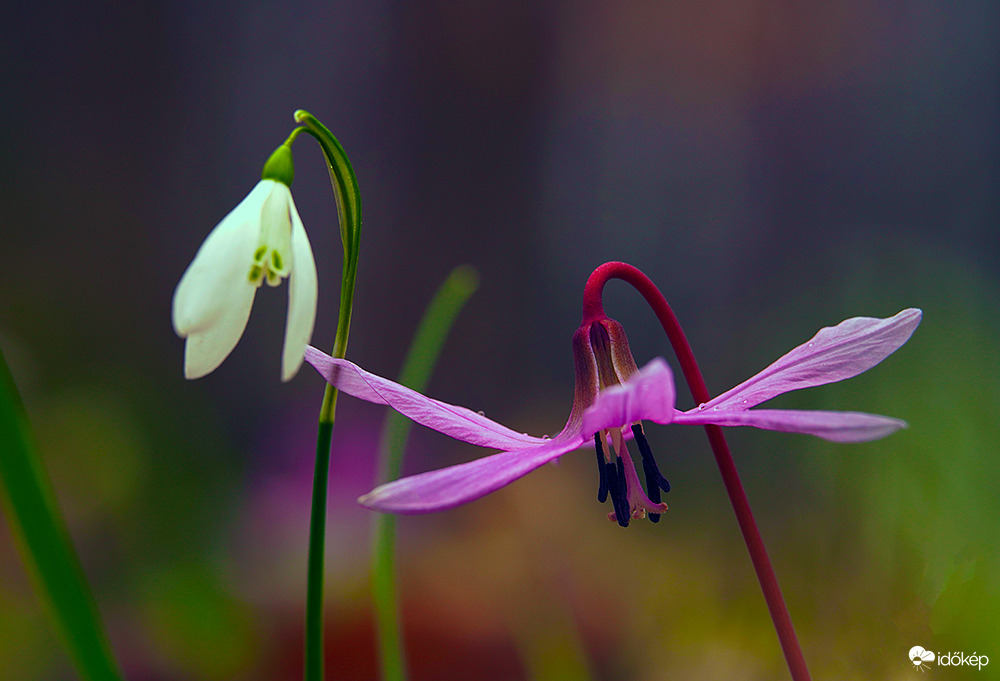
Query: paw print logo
[(920, 657)]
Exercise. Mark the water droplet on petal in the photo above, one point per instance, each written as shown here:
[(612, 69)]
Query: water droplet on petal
[(715, 409), (745, 400), (546, 437), (701, 406), (481, 413)]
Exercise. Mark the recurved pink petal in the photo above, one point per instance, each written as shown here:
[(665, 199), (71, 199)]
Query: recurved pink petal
[(648, 395), (834, 354), (452, 420), (837, 426), (449, 487)]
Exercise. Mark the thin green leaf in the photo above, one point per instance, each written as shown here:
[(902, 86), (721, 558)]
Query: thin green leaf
[(44, 542), (417, 369)]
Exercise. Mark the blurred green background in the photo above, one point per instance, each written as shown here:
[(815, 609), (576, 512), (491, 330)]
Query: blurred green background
[(774, 167)]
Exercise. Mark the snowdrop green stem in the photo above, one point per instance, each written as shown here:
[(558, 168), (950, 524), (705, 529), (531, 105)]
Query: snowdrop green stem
[(44, 542), (417, 368), (345, 189)]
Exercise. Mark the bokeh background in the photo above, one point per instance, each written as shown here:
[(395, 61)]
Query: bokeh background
[(775, 167)]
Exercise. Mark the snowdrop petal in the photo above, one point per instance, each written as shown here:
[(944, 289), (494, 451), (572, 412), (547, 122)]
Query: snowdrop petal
[(648, 395), (206, 349), (213, 299), (457, 422), (302, 295), (837, 426), (834, 354), (449, 487)]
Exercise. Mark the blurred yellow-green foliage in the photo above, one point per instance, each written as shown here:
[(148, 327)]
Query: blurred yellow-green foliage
[(774, 168)]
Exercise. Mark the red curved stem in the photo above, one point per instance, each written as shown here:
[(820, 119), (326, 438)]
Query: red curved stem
[(592, 309)]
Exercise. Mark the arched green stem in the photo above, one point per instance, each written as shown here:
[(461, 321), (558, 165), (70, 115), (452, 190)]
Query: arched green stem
[(345, 189), (592, 309)]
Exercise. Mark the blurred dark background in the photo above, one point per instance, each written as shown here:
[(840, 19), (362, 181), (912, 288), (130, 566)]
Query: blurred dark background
[(775, 167)]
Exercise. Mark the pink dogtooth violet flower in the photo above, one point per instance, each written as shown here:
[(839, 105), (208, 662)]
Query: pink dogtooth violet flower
[(612, 399), (262, 239)]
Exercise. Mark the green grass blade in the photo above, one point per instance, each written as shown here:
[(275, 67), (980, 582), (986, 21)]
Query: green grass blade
[(417, 369), (44, 542)]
